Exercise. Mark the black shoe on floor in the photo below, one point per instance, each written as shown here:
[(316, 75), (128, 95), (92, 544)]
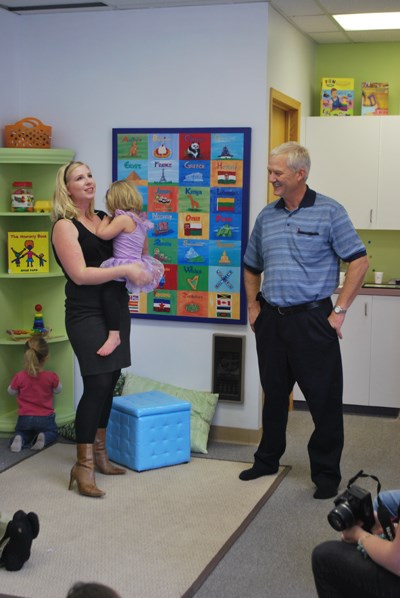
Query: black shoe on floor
[(255, 472), (324, 492)]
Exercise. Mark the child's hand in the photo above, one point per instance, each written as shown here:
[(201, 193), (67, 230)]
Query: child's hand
[(137, 274), (103, 225)]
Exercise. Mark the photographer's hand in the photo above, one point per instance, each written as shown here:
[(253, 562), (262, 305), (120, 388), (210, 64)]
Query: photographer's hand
[(383, 552), (353, 534)]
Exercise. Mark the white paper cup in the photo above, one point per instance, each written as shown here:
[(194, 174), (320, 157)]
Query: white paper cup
[(378, 277)]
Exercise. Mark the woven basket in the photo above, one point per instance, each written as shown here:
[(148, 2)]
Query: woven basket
[(28, 132)]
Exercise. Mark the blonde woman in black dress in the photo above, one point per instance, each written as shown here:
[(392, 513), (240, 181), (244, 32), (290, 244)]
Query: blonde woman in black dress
[(80, 252)]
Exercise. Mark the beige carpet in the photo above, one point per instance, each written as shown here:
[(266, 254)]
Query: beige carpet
[(156, 534)]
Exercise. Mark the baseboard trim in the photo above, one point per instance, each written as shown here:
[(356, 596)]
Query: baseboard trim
[(246, 436), (235, 435), (357, 409)]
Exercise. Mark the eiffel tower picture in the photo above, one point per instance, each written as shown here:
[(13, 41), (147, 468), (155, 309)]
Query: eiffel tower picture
[(162, 178)]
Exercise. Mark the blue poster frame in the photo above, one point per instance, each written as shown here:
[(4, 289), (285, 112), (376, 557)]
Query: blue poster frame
[(216, 162)]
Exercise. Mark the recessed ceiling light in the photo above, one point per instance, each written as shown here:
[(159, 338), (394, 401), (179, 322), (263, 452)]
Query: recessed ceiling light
[(369, 21)]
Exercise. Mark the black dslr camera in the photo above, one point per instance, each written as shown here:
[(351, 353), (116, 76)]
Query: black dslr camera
[(355, 504)]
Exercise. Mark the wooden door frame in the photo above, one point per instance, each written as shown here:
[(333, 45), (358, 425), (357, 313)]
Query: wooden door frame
[(292, 108)]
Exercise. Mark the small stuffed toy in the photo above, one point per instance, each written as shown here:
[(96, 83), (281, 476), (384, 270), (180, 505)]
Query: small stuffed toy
[(15, 544)]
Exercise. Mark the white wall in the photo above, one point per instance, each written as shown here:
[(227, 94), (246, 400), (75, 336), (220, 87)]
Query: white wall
[(291, 58), (8, 72), (85, 73)]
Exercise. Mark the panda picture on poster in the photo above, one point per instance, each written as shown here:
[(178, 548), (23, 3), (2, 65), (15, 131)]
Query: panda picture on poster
[(195, 189)]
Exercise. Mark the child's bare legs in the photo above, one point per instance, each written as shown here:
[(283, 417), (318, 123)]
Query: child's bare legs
[(140, 276), (111, 343)]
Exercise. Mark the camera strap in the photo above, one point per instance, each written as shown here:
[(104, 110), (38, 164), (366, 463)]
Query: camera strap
[(384, 516)]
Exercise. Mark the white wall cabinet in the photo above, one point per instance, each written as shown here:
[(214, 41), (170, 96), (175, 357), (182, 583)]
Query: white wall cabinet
[(354, 160), (388, 216), (370, 353)]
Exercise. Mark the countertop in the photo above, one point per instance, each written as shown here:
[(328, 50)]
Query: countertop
[(376, 291)]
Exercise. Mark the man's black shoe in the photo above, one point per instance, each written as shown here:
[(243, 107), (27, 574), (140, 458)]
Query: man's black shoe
[(256, 472), (325, 492)]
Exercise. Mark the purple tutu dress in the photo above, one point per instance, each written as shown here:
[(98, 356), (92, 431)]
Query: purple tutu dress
[(128, 247)]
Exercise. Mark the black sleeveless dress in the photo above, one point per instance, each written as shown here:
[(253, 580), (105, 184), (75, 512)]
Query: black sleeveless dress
[(84, 320)]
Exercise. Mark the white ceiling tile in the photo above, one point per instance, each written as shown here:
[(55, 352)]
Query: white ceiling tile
[(310, 24), (293, 8), (374, 36), (355, 6), (330, 37)]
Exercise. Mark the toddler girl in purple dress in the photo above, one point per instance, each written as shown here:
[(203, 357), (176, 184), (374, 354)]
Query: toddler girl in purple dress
[(128, 228)]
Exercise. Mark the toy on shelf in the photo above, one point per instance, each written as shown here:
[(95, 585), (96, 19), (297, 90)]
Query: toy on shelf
[(19, 334), (38, 322), (22, 199), (42, 206)]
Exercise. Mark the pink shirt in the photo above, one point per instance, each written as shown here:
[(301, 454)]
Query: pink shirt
[(35, 393)]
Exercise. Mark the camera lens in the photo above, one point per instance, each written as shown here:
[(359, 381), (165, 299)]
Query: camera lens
[(341, 517)]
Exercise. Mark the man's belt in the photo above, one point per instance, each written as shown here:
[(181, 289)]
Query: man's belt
[(295, 309)]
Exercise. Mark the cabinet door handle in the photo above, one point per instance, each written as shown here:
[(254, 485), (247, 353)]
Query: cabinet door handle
[(365, 309), (370, 216)]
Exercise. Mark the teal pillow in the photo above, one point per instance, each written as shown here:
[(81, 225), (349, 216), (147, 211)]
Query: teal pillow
[(203, 405)]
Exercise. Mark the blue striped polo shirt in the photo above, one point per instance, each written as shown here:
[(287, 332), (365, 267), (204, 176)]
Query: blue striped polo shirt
[(299, 252)]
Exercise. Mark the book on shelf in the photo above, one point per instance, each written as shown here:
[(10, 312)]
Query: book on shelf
[(337, 96), (28, 252), (374, 98)]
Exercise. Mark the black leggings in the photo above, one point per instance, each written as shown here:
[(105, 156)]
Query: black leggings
[(94, 408)]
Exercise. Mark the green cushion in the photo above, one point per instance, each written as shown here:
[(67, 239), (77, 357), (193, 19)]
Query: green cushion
[(119, 385), (203, 405), (67, 431)]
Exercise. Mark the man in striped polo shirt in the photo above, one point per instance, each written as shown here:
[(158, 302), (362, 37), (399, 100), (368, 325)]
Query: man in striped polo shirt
[(291, 269)]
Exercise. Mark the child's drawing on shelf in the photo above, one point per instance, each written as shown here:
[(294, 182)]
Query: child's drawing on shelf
[(128, 228), (35, 389)]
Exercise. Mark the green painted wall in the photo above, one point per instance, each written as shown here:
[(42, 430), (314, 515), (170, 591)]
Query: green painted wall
[(366, 62), (383, 247), (363, 62)]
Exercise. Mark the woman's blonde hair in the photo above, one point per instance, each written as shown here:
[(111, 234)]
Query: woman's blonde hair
[(63, 204), (123, 195), (36, 352)]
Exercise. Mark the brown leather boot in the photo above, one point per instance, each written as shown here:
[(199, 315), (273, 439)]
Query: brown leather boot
[(100, 455), (83, 472)]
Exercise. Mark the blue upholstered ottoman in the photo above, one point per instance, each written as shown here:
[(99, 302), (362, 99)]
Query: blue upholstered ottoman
[(149, 430)]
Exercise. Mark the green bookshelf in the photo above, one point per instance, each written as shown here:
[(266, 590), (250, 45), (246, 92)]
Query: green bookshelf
[(19, 293)]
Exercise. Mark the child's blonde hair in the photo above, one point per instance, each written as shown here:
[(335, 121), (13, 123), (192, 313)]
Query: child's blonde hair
[(36, 352), (63, 205), (123, 195)]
